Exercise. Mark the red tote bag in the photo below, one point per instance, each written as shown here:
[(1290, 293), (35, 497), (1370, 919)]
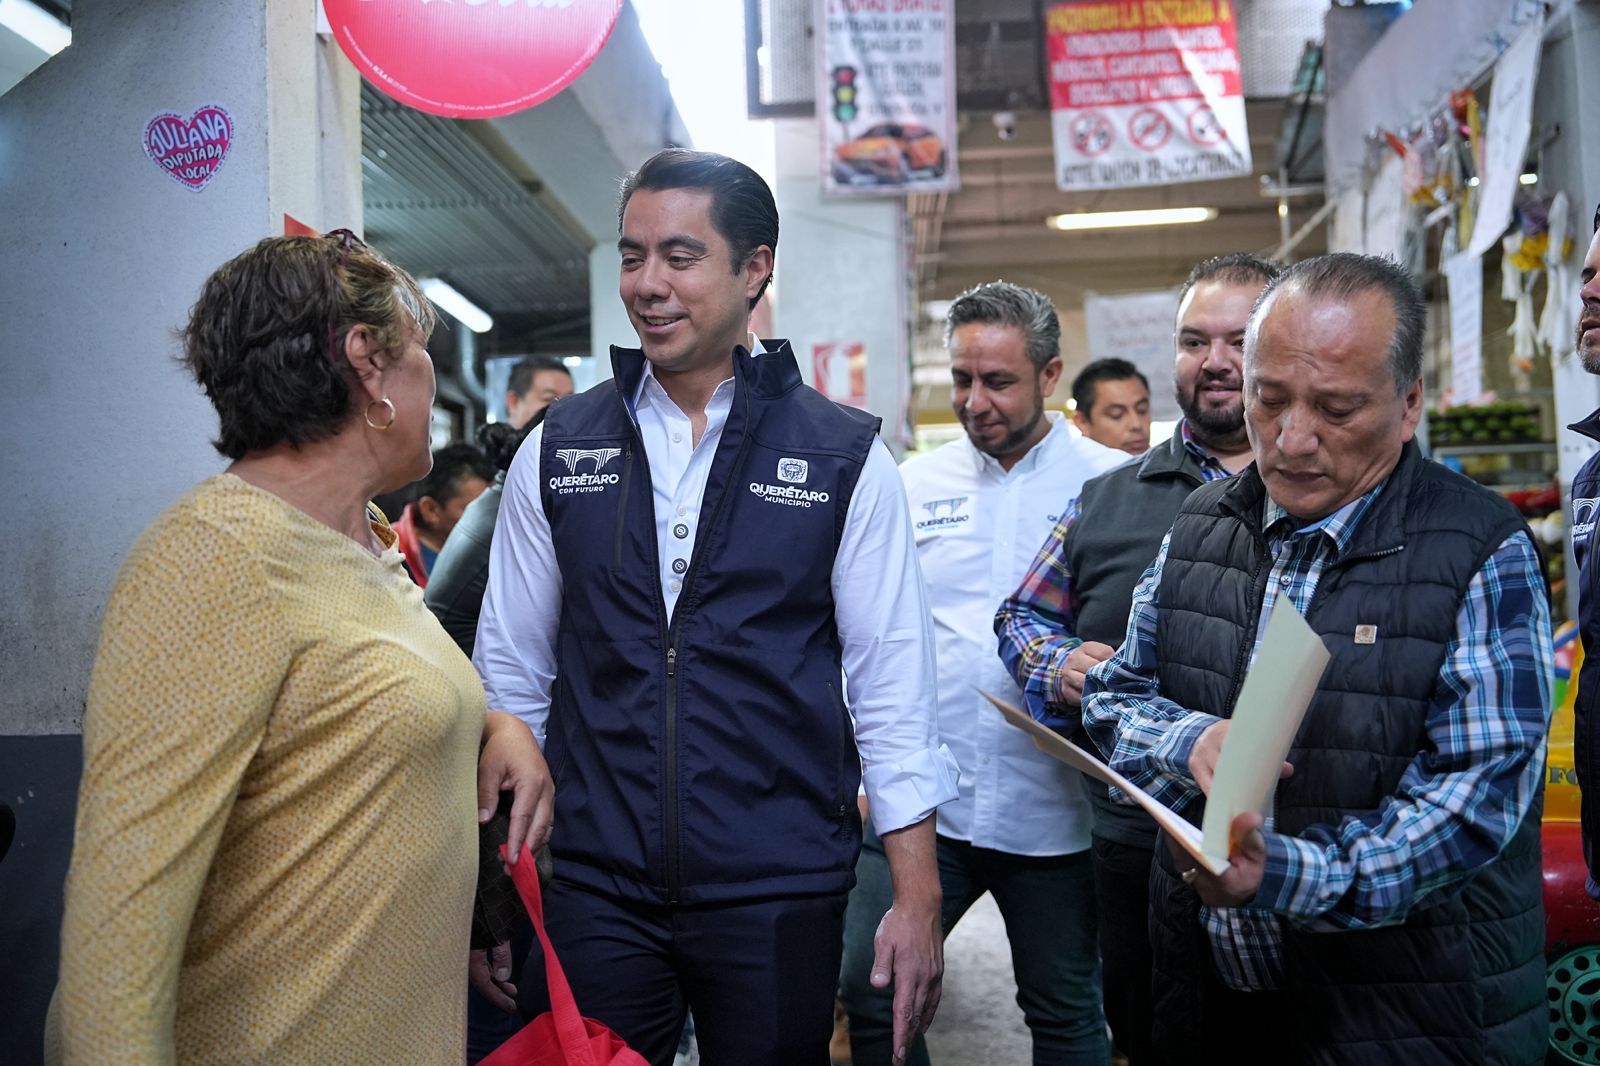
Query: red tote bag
[(561, 1036)]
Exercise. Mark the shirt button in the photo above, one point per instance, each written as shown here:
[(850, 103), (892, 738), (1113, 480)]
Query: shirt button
[(679, 566), (677, 438), (675, 586), (682, 511), (680, 531)]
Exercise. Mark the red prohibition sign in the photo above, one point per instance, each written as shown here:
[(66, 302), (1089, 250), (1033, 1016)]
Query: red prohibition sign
[(1091, 133), (1205, 129), (1149, 129)]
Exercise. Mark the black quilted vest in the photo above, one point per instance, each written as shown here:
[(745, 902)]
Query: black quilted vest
[(1462, 979)]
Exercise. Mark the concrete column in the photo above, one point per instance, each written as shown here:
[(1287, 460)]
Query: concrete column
[(101, 256), (841, 274)]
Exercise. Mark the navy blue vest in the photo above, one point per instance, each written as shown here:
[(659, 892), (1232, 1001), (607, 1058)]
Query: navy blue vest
[(708, 756)]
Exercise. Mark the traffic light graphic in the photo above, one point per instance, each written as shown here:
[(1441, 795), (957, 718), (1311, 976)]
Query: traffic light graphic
[(844, 93)]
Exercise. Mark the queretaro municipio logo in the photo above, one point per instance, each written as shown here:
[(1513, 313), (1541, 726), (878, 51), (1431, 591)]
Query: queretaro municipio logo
[(595, 480), (793, 471)]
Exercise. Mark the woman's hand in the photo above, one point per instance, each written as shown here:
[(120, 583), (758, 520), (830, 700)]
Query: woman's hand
[(511, 761)]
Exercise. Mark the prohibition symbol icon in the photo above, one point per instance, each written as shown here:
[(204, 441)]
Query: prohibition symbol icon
[(1149, 129), (1205, 128), (1091, 133)]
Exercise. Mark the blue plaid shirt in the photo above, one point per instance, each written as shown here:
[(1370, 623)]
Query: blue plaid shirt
[(1038, 624), (1456, 806)]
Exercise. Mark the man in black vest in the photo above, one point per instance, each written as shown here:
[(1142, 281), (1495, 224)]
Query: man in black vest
[(1391, 911), (1072, 608), (689, 561), (1585, 509)]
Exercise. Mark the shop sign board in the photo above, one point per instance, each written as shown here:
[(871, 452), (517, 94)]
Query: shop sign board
[(886, 90), (472, 58), (1138, 327), (1145, 92)]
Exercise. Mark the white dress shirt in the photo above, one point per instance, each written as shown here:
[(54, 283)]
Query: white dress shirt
[(880, 609), (978, 529)]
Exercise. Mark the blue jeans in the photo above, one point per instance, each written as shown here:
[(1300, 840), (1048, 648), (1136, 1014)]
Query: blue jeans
[(1049, 910)]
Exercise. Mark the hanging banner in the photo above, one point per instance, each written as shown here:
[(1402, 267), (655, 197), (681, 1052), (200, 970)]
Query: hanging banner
[(1138, 327), (886, 96), (474, 59), (1506, 141), (1464, 274), (1145, 92)]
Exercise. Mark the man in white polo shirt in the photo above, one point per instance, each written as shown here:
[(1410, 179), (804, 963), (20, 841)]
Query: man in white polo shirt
[(1020, 829)]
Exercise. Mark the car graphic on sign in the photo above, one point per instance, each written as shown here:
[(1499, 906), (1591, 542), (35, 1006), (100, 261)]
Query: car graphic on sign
[(889, 154)]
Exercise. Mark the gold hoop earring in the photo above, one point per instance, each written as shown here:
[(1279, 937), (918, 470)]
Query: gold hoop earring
[(367, 414)]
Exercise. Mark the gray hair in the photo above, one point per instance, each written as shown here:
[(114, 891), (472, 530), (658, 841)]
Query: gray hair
[(1344, 275), (1001, 303)]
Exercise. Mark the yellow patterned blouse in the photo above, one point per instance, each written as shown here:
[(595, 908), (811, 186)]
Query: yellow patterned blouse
[(276, 831)]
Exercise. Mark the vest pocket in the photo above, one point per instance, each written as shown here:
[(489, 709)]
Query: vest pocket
[(845, 741)]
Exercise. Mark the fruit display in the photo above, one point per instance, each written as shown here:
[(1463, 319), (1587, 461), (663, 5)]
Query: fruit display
[(1492, 423)]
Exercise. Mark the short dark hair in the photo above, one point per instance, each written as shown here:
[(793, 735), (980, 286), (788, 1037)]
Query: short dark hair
[(266, 337), (1343, 275), (1236, 268), (742, 208), (1001, 303), (1090, 377), (452, 465), (521, 379)]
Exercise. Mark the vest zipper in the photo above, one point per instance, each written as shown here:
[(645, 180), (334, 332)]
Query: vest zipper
[(622, 509), (702, 538)]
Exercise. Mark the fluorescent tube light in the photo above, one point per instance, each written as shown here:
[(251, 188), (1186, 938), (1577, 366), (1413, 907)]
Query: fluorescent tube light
[(460, 308), (1528, 179), (1162, 216), (36, 26)]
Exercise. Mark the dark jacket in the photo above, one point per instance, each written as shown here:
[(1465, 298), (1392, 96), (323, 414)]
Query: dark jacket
[(1586, 710), (1462, 978), (461, 572), (1123, 514), (708, 756)]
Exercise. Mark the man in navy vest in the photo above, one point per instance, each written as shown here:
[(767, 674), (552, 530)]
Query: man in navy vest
[(1585, 506), (1391, 911), (704, 600)]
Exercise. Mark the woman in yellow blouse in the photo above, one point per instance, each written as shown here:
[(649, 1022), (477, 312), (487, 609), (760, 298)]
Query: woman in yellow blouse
[(276, 834)]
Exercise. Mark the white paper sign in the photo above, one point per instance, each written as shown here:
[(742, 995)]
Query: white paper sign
[(1464, 273), (1138, 327), (1384, 230), (1505, 142)]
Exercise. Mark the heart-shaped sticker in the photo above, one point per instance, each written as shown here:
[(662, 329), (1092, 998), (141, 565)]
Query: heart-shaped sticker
[(190, 150)]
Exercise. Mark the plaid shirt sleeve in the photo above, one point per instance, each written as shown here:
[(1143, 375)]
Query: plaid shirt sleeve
[(1465, 795), (1143, 735), (1036, 628)]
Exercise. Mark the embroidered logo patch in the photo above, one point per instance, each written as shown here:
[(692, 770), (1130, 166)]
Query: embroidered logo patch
[(1366, 634), (794, 471)]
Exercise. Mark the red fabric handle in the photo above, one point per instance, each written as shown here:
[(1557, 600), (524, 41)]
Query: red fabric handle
[(563, 1008)]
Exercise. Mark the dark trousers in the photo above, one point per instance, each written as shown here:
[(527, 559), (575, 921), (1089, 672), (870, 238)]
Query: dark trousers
[(759, 976), (1048, 907), (1122, 891)]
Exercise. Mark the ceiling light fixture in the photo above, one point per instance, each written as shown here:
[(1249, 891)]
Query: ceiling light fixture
[(1528, 179), (1161, 216), (35, 25), (460, 308)]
